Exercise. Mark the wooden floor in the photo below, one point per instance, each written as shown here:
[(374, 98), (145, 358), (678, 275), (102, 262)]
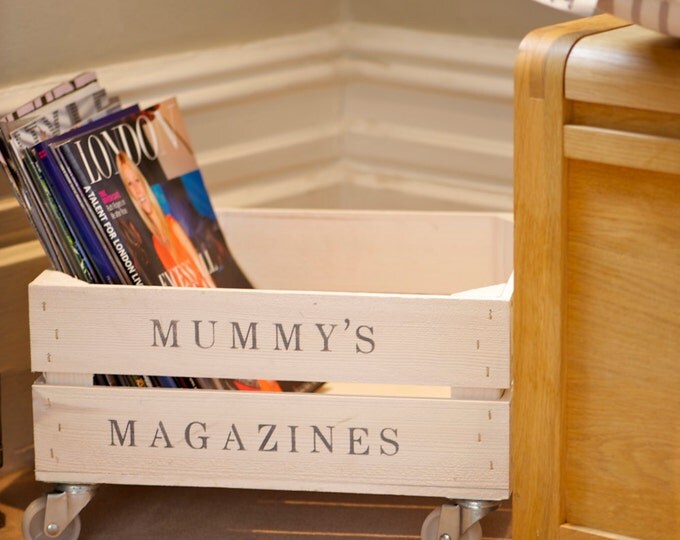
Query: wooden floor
[(130, 512)]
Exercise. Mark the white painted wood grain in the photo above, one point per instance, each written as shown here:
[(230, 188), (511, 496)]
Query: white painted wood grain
[(370, 251), (418, 339), (445, 448), (68, 379)]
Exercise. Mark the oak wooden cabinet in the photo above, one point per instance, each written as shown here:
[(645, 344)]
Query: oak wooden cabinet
[(596, 332)]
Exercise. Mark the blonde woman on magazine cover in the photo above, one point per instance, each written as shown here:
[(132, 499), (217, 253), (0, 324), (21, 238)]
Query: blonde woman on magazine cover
[(174, 247), (171, 243)]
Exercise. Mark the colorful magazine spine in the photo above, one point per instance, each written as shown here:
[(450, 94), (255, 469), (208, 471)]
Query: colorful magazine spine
[(76, 256), (75, 214), (58, 110), (75, 209)]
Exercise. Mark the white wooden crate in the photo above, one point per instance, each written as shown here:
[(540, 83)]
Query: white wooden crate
[(418, 397)]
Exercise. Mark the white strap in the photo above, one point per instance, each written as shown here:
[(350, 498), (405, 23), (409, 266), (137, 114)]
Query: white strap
[(583, 8)]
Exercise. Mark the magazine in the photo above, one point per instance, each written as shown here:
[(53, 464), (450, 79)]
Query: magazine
[(56, 111), (139, 176), (53, 112), (58, 92)]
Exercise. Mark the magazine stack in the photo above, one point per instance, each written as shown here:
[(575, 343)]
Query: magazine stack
[(115, 195)]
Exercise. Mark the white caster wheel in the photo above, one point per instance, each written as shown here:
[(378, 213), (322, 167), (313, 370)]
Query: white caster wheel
[(430, 528), (34, 521)]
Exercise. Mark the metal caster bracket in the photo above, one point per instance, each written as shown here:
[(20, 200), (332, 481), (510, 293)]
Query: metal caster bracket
[(457, 517), (64, 505)]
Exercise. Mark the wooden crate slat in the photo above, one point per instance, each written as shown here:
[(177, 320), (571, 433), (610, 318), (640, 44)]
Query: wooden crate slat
[(354, 444), (370, 251), (390, 339)]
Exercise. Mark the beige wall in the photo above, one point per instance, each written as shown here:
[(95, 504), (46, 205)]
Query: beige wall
[(39, 38), (42, 37), (511, 19)]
